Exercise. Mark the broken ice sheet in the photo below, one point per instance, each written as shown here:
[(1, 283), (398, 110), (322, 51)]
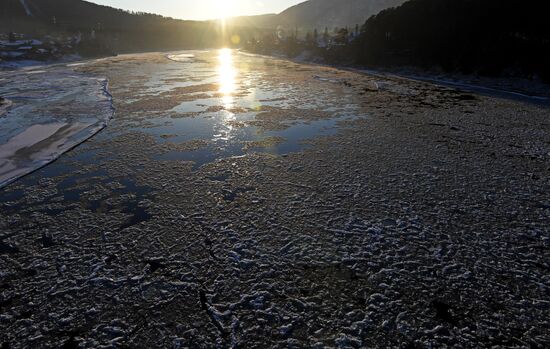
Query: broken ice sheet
[(52, 110)]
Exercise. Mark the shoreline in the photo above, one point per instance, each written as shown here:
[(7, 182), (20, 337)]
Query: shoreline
[(461, 81)]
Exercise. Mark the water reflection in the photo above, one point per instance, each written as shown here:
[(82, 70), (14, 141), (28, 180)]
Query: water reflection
[(228, 119), (227, 75)]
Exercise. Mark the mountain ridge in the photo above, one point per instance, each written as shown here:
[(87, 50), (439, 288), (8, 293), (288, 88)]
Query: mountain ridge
[(320, 14), (308, 15), (328, 13)]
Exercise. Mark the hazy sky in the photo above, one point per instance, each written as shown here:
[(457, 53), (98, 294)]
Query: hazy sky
[(202, 9)]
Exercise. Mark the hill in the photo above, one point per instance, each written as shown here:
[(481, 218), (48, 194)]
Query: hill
[(329, 13), (320, 14)]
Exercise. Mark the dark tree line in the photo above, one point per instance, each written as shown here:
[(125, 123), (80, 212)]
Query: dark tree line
[(486, 37), (490, 37)]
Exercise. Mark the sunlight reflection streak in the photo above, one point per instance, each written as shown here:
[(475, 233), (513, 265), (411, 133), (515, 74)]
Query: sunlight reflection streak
[(227, 75)]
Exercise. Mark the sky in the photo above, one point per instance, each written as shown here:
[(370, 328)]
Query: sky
[(202, 9)]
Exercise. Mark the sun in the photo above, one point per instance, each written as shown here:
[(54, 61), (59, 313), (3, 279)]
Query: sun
[(224, 8)]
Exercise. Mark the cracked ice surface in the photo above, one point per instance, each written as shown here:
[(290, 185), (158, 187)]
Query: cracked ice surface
[(49, 112), (423, 225)]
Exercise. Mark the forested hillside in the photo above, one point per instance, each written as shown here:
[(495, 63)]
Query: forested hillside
[(490, 37), (117, 28)]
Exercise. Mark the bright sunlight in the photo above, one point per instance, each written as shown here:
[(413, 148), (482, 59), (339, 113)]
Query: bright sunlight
[(225, 9), (227, 72)]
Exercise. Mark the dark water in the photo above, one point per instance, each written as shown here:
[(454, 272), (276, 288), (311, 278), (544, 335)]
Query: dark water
[(294, 138)]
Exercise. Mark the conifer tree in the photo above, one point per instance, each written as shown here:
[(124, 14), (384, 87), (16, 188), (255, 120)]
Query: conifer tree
[(309, 39)]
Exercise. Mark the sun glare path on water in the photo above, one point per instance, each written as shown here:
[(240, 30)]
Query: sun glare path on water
[(227, 75)]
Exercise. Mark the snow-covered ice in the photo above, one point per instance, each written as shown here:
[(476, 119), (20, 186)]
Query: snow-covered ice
[(51, 111)]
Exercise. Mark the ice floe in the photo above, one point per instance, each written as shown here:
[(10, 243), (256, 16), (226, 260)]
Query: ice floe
[(183, 57), (50, 111)]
